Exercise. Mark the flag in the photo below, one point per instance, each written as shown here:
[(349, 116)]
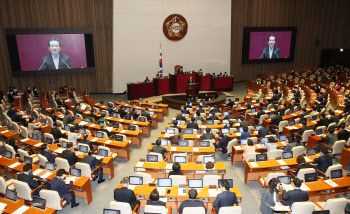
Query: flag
[(160, 60)]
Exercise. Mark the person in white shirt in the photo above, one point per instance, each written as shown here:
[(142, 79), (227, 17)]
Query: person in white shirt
[(73, 135)]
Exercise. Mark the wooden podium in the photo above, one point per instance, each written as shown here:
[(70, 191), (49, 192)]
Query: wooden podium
[(192, 89)]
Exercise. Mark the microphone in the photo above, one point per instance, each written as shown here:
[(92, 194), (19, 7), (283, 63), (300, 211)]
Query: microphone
[(42, 64), (66, 64)]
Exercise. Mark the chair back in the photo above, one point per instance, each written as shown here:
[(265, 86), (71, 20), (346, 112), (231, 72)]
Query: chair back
[(104, 134), (251, 156), (160, 157), (254, 139), (3, 185), (282, 124), (23, 190), (178, 179), (275, 153), (48, 135), (303, 207), (332, 124), (191, 210), (271, 135), (262, 117), (230, 210), (306, 135), (85, 169), (143, 117), (338, 146), (42, 160), (335, 205), (52, 198), (298, 150), (230, 144), (302, 172), (22, 153), (147, 178), (124, 207), (61, 140), (211, 180), (155, 209), (273, 175), (321, 127), (62, 163), (49, 121), (24, 131), (11, 149), (87, 148), (15, 127), (124, 137)]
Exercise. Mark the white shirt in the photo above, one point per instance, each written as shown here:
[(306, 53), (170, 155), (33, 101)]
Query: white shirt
[(73, 137)]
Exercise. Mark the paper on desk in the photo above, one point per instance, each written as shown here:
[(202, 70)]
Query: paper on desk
[(109, 129), (259, 146), (331, 183), (108, 142), (99, 157), (82, 123), (238, 134), (14, 165), (38, 144), (69, 179), (338, 111), (238, 148), (281, 162), (254, 164), (2, 206), (237, 124), (164, 199), (284, 167), (166, 135), (3, 132), (173, 148), (214, 192), (93, 125), (204, 126), (108, 118), (304, 187), (180, 191), (59, 151), (307, 159), (195, 149), (169, 166), (94, 140), (46, 175), (25, 139), (139, 164), (288, 187), (21, 210), (283, 142), (134, 122), (121, 120), (123, 131), (38, 171), (281, 208)]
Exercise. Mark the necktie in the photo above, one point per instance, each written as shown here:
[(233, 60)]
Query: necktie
[(56, 62), (270, 54)]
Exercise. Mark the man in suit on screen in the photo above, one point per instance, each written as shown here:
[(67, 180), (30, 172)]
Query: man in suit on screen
[(55, 60), (271, 52)]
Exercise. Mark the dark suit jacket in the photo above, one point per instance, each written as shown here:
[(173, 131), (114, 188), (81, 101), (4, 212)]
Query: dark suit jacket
[(47, 62), (70, 156), (330, 139), (323, 162), (125, 195), (29, 180), (160, 150), (266, 55), (244, 123), (156, 203), (334, 119), (213, 117), (48, 155), (191, 203), (323, 122), (122, 113), (296, 195), (303, 166), (145, 114), (92, 161), (108, 132), (208, 136), (225, 199), (62, 189), (175, 173), (180, 117), (192, 125), (263, 132), (343, 135), (276, 121)]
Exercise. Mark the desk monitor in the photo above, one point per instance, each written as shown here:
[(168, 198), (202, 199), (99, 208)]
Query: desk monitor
[(314, 117), (310, 177), (152, 158), (230, 181), (227, 101), (240, 129), (118, 138), (338, 173), (151, 113), (164, 182), (132, 103), (239, 105), (170, 131), (67, 128), (143, 105), (135, 180), (211, 108), (225, 113), (270, 116), (103, 152), (35, 136), (195, 183), (8, 154), (156, 107), (311, 152), (261, 157), (39, 203), (142, 119), (204, 143), (49, 140), (99, 135), (292, 122), (83, 149), (239, 120), (285, 179), (318, 131), (188, 131), (11, 195), (225, 121), (127, 117), (225, 130), (75, 172), (244, 142), (253, 110), (164, 142), (50, 166), (183, 143), (287, 155), (110, 211), (321, 212), (115, 115), (257, 128), (81, 131), (127, 109), (283, 138), (132, 128), (264, 140), (28, 160), (115, 125), (87, 120), (210, 122), (180, 159), (207, 159), (118, 107)]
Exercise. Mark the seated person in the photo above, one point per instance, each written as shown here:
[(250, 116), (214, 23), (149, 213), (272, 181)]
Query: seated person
[(296, 195), (70, 156), (12, 142), (175, 122), (263, 131), (330, 139), (200, 110), (27, 177), (180, 117), (58, 184), (210, 167), (192, 124), (126, 195), (103, 119), (302, 164), (92, 161), (110, 109), (302, 129), (343, 134), (245, 134), (229, 116), (213, 117), (225, 198), (323, 161), (230, 124), (103, 129), (347, 197), (154, 199), (176, 170), (271, 144), (249, 148), (147, 80), (224, 140), (244, 123), (192, 202), (159, 148), (87, 142), (45, 152), (56, 131), (208, 135), (73, 135)]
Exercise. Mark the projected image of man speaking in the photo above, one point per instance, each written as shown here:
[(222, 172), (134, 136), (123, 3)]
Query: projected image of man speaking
[(55, 60), (271, 52)]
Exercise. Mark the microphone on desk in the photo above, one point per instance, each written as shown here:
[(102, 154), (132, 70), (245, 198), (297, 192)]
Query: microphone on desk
[(66, 64), (42, 64)]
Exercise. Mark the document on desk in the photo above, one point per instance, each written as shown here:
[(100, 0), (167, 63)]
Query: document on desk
[(213, 192), (281, 162), (21, 210), (259, 146), (254, 164), (284, 167), (164, 199), (109, 129), (2, 206), (307, 159), (94, 140), (238, 134), (38, 171), (70, 178), (3, 132), (134, 122), (123, 131), (304, 187), (38, 144), (238, 148), (281, 208), (139, 164), (169, 166), (181, 191), (82, 123), (166, 135), (203, 126), (195, 149), (59, 150), (173, 149), (331, 183), (121, 120), (14, 165), (46, 175), (108, 118), (283, 143), (108, 142), (25, 139), (288, 187)]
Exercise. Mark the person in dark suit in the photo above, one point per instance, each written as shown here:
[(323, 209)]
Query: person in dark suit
[(224, 140), (270, 197), (92, 161), (192, 193), (343, 134), (102, 129), (244, 123), (159, 148), (302, 164), (147, 80), (122, 112), (323, 120), (87, 142), (207, 135), (296, 195), (58, 184), (45, 152), (225, 198), (200, 110), (261, 112), (302, 129), (27, 178), (271, 52), (333, 118), (12, 142), (134, 114), (190, 81), (276, 119), (229, 116), (185, 110), (69, 155), (146, 114), (263, 131), (175, 122), (126, 195), (176, 170), (331, 137), (56, 131), (154, 199), (323, 161), (180, 117), (55, 60), (192, 124)]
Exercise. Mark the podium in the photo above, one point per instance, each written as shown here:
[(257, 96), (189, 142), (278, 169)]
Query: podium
[(192, 89)]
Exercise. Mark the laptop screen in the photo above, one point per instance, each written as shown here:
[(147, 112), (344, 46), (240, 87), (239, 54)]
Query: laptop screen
[(170, 131), (164, 142), (210, 122), (115, 115), (241, 129), (183, 143), (225, 121), (264, 140), (152, 158), (83, 149), (132, 128), (195, 183), (127, 117), (292, 122), (207, 159), (311, 152), (225, 113), (164, 182), (257, 128), (239, 120), (318, 131), (127, 109), (116, 125), (239, 105), (81, 131), (151, 113), (143, 105), (284, 179), (118, 138), (110, 211), (244, 142), (283, 138), (225, 131), (270, 116), (230, 181), (156, 107), (142, 119), (205, 131), (50, 166), (35, 136), (75, 172), (253, 110), (188, 131), (287, 155), (118, 107), (132, 103), (8, 154), (39, 203), (43, 121), (321, 212), (310, 177), (135, 180), (338, 173), (87, 120), (204, 143), (49, 140), (11, 195), (180, 159), (261, 157), (67, 128), (28, 160), (99, 134), (103, 152), (263, 108)]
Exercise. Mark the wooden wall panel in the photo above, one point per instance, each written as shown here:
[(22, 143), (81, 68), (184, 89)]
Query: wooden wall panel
[(323, 20), (95, 14)]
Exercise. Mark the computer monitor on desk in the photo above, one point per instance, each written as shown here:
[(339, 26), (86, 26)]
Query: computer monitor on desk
[(164, 182), (180, 159), (152, 158), (207, 159), (183, 143), (195, 183), (261, 157)]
